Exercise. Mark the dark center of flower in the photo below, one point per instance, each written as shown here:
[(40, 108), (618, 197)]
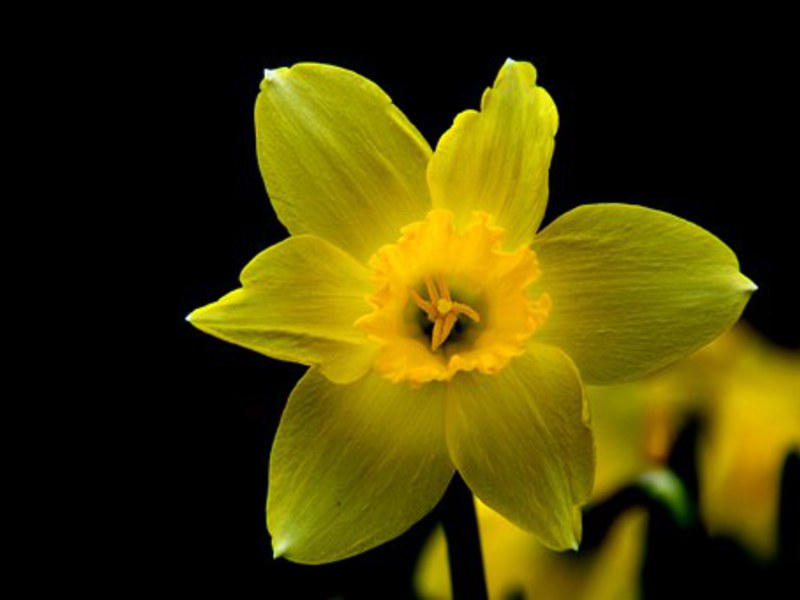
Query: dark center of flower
[(441, 312)]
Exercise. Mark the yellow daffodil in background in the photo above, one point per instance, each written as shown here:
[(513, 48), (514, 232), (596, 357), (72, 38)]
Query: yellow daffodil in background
[(443, 332), (517, 566), (747, 393)]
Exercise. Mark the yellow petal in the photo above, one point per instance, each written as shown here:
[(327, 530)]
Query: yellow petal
[(634, 289), (298, 301), (753, 423), (621, 433), (497, 160), (522, 442), (354, 466), (338, 158)]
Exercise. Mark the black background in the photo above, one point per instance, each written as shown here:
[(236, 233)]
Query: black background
[(699, 121)]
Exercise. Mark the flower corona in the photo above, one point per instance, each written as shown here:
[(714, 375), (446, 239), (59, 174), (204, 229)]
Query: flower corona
[(471, 286)]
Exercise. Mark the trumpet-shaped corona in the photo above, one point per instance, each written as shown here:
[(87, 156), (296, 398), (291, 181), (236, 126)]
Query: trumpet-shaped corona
[(477, 314)]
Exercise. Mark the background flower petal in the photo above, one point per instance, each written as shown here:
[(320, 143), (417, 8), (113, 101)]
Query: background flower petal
[(634, 289), (338, 158), (749, 393), (497, 160), (298, 301), (354, 466), (517, 566), (522, 442)]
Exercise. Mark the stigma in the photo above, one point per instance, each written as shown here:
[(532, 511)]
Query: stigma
[(441, 310)]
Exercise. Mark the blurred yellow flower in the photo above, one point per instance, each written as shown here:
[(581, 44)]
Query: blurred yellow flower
[(443, 331), (747, 393), (517, 566)]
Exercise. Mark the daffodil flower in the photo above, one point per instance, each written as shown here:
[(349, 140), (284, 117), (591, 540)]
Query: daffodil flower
[(443, 332), (747, 393)]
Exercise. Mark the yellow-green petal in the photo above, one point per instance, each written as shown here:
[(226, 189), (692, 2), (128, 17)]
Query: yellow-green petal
[(497, 160), (338, 158), (522, 442), (634, 289), (354, 465), (298, 302)]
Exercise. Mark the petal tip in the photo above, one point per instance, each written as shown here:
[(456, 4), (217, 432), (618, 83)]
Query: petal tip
[(279, 548), (195, 317), (520, 69), (199, 317), (272, 76), (749, 285)]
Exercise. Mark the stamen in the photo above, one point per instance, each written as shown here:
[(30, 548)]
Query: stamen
[(433, 294), (444, 291), (441, 310), (470, 312), (447, 324), (424, 305), (437, 336)]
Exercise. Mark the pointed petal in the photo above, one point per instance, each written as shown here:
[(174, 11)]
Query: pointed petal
[(522, 442), (298, 302), (497, 160), (634, 289), (338, 158), (354, 466)]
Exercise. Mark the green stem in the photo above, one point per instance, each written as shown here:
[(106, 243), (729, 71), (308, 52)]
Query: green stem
[(460, 523)]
